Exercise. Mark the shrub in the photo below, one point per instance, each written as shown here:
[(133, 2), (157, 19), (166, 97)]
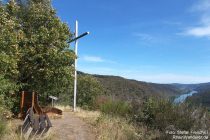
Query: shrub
[(88, 90), (115, 107), (161, 113)]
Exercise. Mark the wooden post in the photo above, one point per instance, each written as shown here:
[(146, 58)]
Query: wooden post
[(22, 102), (33, 97)]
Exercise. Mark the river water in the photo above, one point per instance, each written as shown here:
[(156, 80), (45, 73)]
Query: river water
[(182, 98)]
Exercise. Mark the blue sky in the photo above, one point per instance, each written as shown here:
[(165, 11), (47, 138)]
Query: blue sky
[(162, 41)]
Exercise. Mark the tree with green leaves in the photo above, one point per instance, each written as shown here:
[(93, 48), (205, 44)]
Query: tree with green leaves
[(88, 90), (34, 49), (9, 54), (46, 62), (35, 54)]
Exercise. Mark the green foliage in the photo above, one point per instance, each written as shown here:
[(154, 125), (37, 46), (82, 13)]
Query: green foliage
[(9, 30), (46, 62), (88, 89), (200, 99), (162, 113), (6, 92), (115, 107), (34, 53), (129, 90)]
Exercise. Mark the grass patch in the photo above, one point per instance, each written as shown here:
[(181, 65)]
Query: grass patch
[(12, 132), (108, 127), (3, 126), (115, 128)]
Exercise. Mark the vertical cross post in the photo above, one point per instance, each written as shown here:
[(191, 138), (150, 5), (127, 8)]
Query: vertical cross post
[(75, 66)]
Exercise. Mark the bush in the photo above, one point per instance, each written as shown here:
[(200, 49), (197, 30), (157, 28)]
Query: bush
[(88, 90), (115, 107), (161, 113), (7, 89)]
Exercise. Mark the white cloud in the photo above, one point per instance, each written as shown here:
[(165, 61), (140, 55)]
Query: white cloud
[(203, 29), (97, 59), (92, 59)]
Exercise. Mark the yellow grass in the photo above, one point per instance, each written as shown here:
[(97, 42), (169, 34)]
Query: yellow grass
[(111, 127), (105, 127), (90, 116), (13, 132), (64, 108), (115, 128)]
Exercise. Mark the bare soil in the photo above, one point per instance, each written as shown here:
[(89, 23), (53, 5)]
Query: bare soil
[(71, 127)]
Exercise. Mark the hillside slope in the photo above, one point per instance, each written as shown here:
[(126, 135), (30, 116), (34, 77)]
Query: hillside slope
[(131, 89), (202, 97), (203, 87)]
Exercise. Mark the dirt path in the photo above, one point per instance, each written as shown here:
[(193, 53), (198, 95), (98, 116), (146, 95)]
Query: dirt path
[(71, 127)]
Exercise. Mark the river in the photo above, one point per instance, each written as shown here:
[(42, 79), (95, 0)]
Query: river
[(182, 97)]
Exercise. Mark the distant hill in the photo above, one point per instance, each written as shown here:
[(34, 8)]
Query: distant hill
[(202, 97), (128, 89), (203, 87), (186, 87), (198, 87), (131, 89)]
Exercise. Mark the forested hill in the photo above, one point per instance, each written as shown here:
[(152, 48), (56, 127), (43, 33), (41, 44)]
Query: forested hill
[(123, 88), (128, 89), (202, 97), (201, 87), (204, 87)]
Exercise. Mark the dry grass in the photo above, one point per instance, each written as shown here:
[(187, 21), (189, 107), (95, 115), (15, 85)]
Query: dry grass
[(106, 127), (13, 132), (115, 128), (64, 108), (112, 127), (51, 135), (87, 115), (90, 116)]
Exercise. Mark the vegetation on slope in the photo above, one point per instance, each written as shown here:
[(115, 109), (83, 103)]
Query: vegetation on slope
[(202, 98), (158, 116), (135, 90)]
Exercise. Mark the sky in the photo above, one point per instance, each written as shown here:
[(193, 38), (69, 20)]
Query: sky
[(160, 41)]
